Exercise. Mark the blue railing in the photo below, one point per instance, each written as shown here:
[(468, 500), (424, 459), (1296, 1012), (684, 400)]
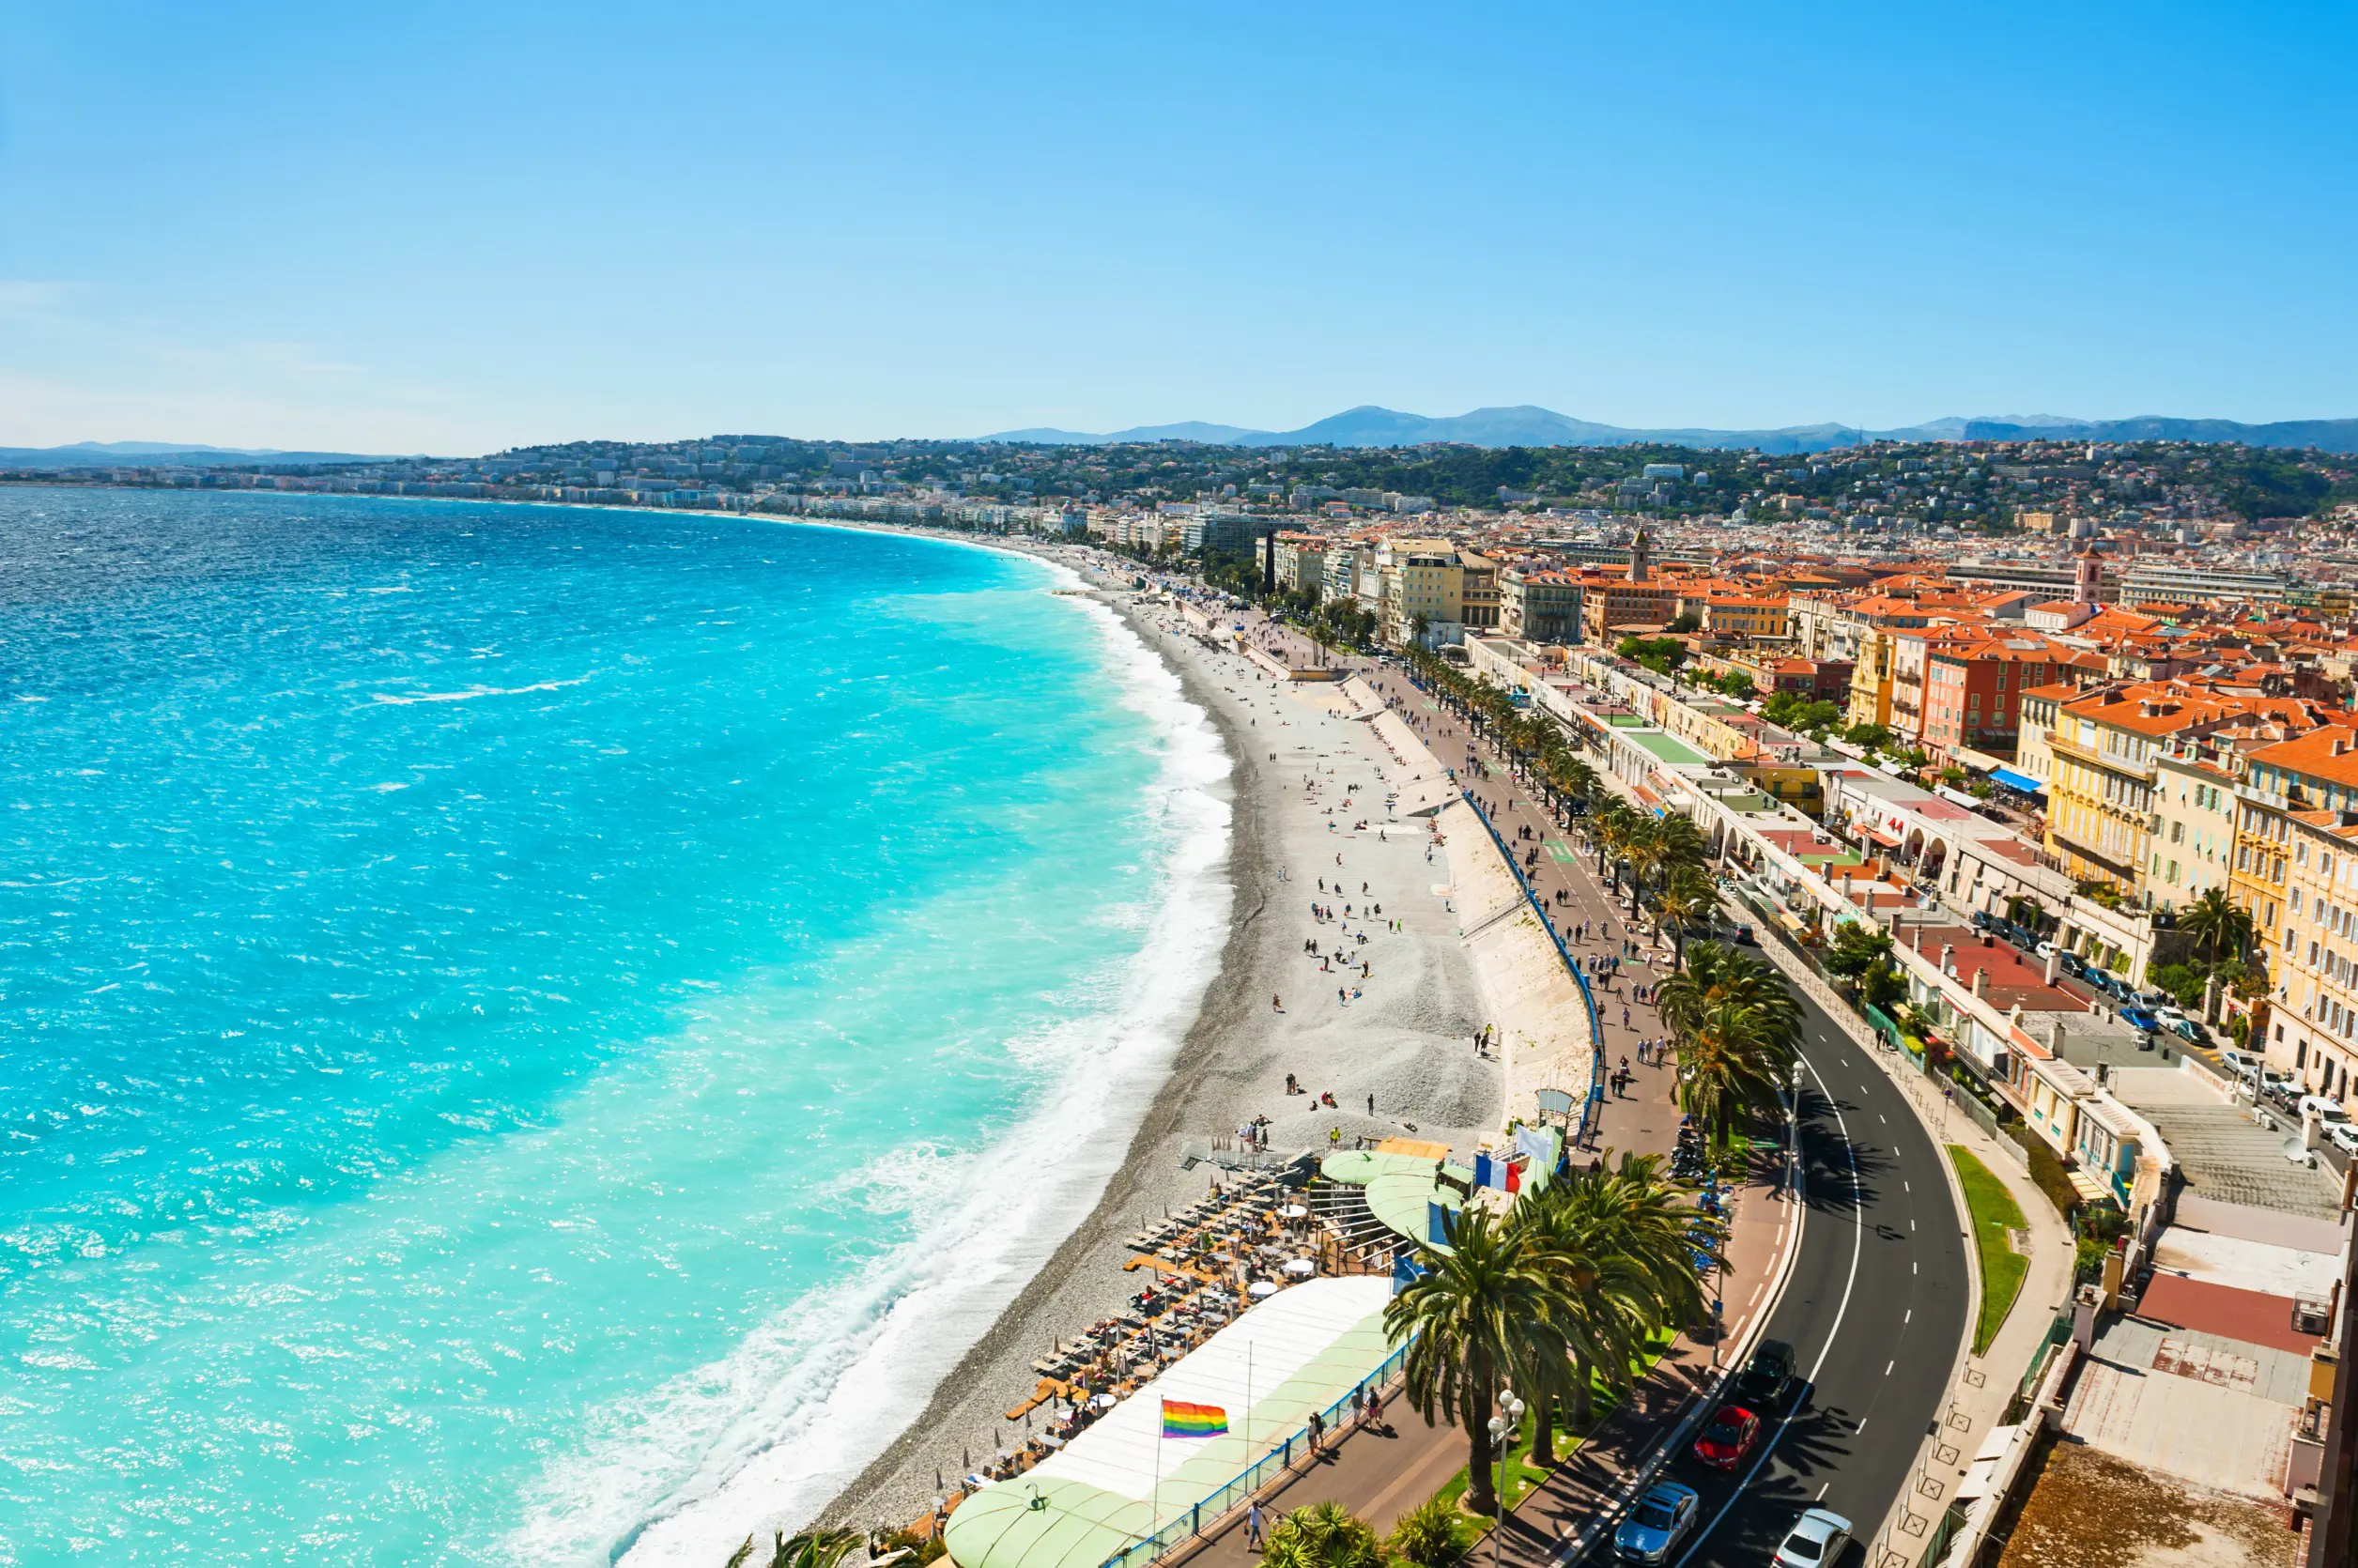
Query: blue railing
[(1595, 1108), (1235, 1493), (1592, 1111)]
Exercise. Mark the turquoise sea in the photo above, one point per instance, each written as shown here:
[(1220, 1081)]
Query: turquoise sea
[(535, 1035)]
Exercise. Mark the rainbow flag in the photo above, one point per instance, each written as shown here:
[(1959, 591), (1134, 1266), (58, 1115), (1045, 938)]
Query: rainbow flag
[(1182, 1420)]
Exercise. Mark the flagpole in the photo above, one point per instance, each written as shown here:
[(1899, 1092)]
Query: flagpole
[(1154, 1495)]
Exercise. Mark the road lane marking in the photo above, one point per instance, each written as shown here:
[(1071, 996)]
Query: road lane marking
[(1821, 1497), (1887, 1366), (1841, 1309)]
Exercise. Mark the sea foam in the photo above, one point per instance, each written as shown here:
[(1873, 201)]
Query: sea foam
[(762, 1439)]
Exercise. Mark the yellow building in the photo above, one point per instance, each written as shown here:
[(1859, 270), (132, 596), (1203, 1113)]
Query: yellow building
[(2105, 750), (1871, 678), (1422, 584), (1751, 618), (2312, 1033), (2293, 799), (2194, 809)]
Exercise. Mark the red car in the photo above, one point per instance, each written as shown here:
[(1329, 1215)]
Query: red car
[(1729, 1437)]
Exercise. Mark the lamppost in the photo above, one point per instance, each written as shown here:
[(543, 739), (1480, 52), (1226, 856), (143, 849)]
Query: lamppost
[(1504, 1425), (1793, 1131)]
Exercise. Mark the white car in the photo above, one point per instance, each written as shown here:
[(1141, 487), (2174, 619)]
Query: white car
[(2328, 1109), (1816, 1541), (2343, 1136)]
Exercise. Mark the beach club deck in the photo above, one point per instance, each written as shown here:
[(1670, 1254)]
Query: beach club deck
[(1122, 1488)]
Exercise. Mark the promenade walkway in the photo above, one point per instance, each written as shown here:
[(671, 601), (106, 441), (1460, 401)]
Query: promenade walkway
[(1380, 1475)]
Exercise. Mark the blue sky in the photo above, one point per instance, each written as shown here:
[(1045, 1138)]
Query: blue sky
[(455, 227)]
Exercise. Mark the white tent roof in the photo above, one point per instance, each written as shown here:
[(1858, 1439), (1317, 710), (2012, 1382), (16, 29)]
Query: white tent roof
[(1242, 1364)]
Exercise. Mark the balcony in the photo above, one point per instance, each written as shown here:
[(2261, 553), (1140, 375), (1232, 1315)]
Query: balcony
[(2122, 765)]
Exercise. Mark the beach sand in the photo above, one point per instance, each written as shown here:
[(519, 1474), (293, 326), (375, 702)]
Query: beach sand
[(1406, 1039)]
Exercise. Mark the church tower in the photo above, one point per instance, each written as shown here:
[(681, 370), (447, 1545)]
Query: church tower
[(1641, 557)]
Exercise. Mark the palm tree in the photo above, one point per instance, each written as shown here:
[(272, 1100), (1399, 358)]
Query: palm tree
[(1687, 897), (1715, 973), (1616, 827), (1322, 1535), (1474, 1314), (1730, 1066), (811, 1548), (1617, 1241), (1575, 778), (1664, 844), (2215, 922)]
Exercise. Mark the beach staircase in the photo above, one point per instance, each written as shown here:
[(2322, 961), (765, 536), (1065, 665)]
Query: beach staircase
[(1342, 1207)]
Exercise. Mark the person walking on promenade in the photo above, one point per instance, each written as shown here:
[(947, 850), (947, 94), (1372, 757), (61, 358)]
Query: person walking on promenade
[(1252, 1525)]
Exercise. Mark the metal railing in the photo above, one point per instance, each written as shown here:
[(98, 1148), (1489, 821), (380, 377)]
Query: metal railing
[(1592, 1109), (1233, 1494)]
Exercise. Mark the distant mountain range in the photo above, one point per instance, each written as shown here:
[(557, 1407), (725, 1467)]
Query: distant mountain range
[(1526, 425), (150, 454)]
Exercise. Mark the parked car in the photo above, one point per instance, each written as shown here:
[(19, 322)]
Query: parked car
[(2177, 1022), (1729, 1437), (2044, 948), (2074, 965), (2140, 1020), (1768, 1376), (1816, 1541), (1658, 1524), (2343, 1136), (2327, 1107), (2238, 1062)]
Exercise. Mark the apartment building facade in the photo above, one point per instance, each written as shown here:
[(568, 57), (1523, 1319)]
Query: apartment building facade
[(1539, 604)]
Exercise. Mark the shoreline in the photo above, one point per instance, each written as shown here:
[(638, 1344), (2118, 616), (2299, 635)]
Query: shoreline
[(1231, 1062)]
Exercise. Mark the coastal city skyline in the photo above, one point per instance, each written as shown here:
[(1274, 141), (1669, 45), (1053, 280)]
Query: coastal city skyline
[(1223, 786)]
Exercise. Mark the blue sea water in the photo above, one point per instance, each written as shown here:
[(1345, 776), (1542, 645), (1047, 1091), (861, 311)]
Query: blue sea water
[(535, 1035)]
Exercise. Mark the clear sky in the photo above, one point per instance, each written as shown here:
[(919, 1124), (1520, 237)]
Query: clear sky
[(452, 227)]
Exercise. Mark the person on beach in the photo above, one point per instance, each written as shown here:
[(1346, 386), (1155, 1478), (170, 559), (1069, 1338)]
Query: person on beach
[(1276, 1006)]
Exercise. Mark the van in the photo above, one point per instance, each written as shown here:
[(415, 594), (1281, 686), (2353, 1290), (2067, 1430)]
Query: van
[(2327, 1107)]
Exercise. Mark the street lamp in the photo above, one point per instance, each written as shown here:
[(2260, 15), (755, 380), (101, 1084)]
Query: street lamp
[(1792, 1130), (1503, 1426)]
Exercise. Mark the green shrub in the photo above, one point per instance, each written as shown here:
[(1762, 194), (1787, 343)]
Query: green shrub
[(1430, 1535), (1323, 1535), (2183, 983), (2045, 1169)]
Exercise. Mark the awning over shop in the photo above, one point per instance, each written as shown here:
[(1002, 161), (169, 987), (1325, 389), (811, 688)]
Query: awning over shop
[(2022, 781), (1888, 840), (2090, 1188)]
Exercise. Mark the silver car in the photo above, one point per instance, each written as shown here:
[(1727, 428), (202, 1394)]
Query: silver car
[(1816, 1541)]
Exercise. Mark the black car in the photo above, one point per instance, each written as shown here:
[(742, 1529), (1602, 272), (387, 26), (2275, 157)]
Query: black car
[(1767, 1377)]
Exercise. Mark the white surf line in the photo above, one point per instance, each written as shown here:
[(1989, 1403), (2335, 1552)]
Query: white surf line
[(1858, 1240)]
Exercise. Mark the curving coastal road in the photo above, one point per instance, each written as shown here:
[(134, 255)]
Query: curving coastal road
[(1875, 1310)]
